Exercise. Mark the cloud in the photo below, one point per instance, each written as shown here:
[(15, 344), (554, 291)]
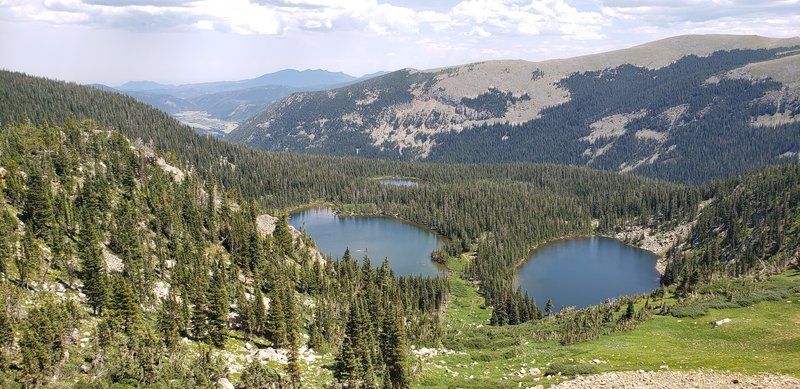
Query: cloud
[(275, 17), (481, 19), (671, 12), (543, 17)]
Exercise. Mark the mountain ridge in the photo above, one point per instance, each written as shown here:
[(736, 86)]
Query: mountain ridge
[(218, 107), (428, 114)]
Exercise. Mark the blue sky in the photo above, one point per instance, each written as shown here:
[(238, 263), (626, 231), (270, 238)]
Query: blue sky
[(183, 41)]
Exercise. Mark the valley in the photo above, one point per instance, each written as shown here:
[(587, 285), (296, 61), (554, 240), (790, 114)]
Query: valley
[(217, 108), (137, 252)]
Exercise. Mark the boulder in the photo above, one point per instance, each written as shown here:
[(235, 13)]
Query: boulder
[(718, 323), (224, 383)]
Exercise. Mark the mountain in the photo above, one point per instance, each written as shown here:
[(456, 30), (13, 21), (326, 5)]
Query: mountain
[(135, 252), (305, 79), (142, 86), (685, 108), (218, 107)]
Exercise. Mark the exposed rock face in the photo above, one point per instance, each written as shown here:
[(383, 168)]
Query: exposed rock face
[(266, 225), (469, 113)]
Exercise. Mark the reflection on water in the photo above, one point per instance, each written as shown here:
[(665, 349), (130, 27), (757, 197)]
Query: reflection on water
[(586, 271), (407, 246)]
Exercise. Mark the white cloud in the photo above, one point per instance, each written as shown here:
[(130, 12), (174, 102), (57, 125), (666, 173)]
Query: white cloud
[(276, 17), (479, 31), (356, 36), (542, 17)]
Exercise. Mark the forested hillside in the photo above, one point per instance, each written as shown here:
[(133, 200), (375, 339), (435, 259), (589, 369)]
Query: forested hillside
[(124, 237), (111, 260), (511, 208), (692, 119), (751, 226)]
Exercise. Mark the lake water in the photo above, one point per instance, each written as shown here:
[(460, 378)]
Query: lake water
[(407, 246), (398, 182), (586, 271)]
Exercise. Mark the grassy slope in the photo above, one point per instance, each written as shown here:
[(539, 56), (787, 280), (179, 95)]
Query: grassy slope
[(762, 338)]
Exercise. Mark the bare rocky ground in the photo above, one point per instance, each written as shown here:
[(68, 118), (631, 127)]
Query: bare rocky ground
[(680, 379)]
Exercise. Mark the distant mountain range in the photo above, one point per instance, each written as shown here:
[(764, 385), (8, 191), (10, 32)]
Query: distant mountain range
[(218, 107), (688, 108)]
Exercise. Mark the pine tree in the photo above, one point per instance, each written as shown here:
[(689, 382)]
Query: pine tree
[(168, 320), (354, 364), (548, 308), (211, 217), (7, 242), (38, 205), (347, 366), (629, 312), (199, 317), (218, 309), (293, 339), (275, 326), (93, 267), (35, 359), (282, 236), (6, 333), (29, 263), (123, 305), (395, 351)]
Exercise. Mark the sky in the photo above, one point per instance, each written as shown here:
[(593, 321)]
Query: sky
[(183, 41)]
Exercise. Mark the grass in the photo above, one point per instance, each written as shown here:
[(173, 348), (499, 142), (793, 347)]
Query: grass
[(762, 337), (466, 307)]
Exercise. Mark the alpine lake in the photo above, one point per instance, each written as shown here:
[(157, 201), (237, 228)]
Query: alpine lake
[(586, 271), (575, 272)]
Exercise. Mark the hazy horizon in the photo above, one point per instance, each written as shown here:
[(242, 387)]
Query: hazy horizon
[(180, 41)]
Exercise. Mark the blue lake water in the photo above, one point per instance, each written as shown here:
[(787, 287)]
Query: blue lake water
[(407, 246), (586, 271), (398, 182)]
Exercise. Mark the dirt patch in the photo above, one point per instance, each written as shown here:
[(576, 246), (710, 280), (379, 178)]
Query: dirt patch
[(611, 126), (657, 242), (680, 379), (650, 134)]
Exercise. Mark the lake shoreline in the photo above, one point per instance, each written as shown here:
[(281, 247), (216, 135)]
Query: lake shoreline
[(575, 269), (408, 245), (661, 261)]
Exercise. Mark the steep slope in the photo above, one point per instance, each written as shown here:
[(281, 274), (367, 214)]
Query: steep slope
[(658, 109), (72, 191), (117, 267)]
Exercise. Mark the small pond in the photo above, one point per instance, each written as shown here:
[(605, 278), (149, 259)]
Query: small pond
[(586, 271), (408, 246), (399, 182)]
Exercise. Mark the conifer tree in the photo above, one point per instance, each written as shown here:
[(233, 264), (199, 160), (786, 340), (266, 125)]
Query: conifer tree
[(35, 359), (629, 312), (548, 308), (6, 333), (123, 305), (200, 317), (29, 263), (38, 205), (218, 309), (354, 364), (168, 320), (93, 267), (293, 339), (257, 375), (282, 236), (395, 351), (275, 326), (7, 242)]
